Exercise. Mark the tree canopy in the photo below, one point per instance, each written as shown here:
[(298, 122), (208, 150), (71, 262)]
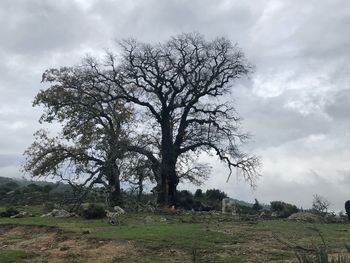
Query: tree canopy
[(176, 94)]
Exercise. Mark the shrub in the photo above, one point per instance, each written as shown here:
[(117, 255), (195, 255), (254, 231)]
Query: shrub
[(257, 206), (321, 254), (215, 195), (320, 205), (185, 199), (283, 209), (9, 212), (198, 194), (93, 211)]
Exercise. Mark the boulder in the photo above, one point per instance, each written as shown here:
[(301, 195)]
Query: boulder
[(112, 217), (119, 210), (59, 213), (19, 215), (306, 217)]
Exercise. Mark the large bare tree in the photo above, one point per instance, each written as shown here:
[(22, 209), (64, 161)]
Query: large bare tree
[(183, 87)]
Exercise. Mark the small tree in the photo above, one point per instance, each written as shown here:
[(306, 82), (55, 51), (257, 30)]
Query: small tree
[(215, 195), (257, 206), (320, 204)]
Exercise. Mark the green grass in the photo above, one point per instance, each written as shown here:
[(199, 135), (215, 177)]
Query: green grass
[(335, 235), (15, 256), (211, 236)]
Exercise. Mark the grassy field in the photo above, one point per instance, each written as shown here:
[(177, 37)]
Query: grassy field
[(164, 238)]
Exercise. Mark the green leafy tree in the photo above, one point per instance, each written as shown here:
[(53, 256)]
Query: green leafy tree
[(215, 195), (94, 133)]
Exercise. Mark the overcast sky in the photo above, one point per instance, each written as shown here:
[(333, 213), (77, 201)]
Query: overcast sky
[(296, 104)]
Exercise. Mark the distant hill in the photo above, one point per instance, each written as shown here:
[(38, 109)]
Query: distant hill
[(17, 183)]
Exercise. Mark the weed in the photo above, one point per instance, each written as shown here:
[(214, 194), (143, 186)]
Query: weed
[(14, 256)]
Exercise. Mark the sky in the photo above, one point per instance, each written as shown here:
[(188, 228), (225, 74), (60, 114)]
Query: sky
[(296, 103)]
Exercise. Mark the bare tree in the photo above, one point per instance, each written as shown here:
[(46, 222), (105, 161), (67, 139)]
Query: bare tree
[(180, 86), (320, 204)]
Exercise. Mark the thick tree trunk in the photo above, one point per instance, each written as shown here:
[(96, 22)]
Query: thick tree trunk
[(172, 184), (114, 194), (169, 180)]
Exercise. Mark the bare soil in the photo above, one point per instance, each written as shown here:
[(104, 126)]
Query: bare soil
[(51, 244)]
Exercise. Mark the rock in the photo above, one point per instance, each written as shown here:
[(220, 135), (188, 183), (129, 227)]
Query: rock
[(306, 217), (19, 215), (112, 217), (262, 214), (119, 210), (59, 213)]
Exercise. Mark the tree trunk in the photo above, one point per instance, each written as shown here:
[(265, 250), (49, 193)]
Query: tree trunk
[(114, 193), (169, 180), (140, 186)]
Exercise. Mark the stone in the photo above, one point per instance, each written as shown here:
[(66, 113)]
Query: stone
[(59, 213), (19, 215), (229, 205), (119, 210), (306, 217), (112, 217)]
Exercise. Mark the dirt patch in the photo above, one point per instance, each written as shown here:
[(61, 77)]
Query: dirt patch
[(53, 245)]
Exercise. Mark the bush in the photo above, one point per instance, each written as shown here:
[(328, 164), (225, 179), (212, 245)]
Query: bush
[(9, 212), (322, 255), (215, 195), (185, 199), (283, 209), (320, 205), (198, 194), (93, 211), (257, 206)]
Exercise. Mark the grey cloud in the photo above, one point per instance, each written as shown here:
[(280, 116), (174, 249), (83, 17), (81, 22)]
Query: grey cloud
[(272, 123), (38, 26), (9, 159), (295, 103), (338, 106)]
